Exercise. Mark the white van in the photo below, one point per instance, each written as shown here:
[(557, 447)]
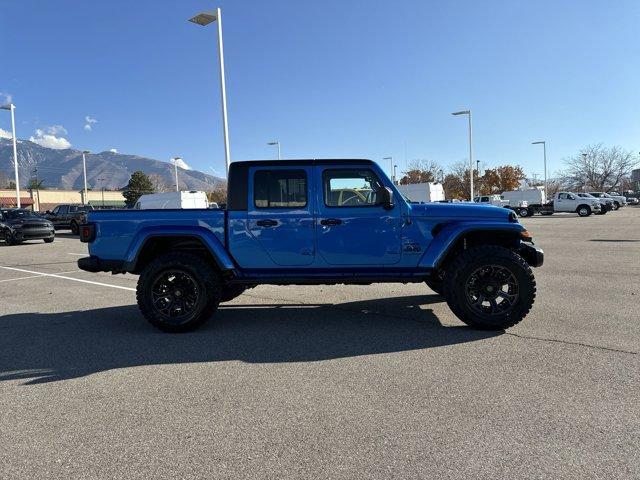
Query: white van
[(156, 201)]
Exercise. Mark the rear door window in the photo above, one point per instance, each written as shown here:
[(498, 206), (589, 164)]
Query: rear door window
[(280, 189)]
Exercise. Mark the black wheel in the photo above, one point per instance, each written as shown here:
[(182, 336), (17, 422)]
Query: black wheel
[(229, 292), (178, 292), (13, 239), (490, 287), (583, 211), (49, 240), (523, 212), (616, 205), (436, 282), (75, 229)]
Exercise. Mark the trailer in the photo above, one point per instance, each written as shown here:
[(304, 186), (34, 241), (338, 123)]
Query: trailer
[(422, 192)]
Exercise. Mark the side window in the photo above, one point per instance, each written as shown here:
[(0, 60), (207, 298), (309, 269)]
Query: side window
[(563, 196), (73, 208), (484, 199), (350, 188), (280, 188), (56, 210), (570, 197), (63, 209)]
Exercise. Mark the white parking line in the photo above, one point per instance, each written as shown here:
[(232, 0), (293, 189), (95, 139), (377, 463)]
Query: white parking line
[(35, 276), (78, 254), (54, 275)]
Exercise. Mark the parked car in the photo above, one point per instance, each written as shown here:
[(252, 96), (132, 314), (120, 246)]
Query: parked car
[(285, 225), (632, 201), (69, 216), (20, 224), (606, 204), (618, 201)]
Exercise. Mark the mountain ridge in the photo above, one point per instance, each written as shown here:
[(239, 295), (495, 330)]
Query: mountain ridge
[(62, 169)]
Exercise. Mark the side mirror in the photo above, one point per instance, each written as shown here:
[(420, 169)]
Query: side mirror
[(48, 212), (385, 198)]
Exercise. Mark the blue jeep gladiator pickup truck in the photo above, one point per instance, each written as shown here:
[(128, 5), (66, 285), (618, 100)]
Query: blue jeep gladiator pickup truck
[(316, 222)]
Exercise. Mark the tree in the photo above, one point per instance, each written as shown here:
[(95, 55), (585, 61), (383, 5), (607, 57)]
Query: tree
[(421, 171), (139, 184), (160, 185), (218, 194), (36, 185), (500, 179), (598, 168)]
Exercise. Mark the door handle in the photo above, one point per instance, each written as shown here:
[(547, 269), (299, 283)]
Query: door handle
[(267, 223), (330, 221)]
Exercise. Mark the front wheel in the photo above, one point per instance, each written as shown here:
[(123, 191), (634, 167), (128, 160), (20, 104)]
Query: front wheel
[(13, 239), (584, 211), (616, 205), (49, 240), (75, 229), (523, 212), (178, 292), (490, 287)]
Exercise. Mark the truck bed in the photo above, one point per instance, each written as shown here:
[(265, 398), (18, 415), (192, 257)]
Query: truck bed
[(118, 232)]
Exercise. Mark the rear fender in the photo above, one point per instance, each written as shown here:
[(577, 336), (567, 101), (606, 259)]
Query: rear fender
[(448, 236), (208, 238)]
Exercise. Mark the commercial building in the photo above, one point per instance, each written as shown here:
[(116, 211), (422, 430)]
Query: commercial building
[(42, 200)]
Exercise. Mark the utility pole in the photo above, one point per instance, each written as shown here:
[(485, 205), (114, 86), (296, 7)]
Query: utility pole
[(35, 172)]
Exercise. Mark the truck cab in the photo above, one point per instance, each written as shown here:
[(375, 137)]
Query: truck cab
[(316, 222)]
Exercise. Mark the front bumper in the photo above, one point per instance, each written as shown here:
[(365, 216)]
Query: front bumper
[(533, 255)]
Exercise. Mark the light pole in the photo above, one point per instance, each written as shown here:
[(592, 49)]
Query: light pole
[(275, 142), (390, 165), (544, 150), (84, 169), (11, 107), (102, 180), (175, 160), (205, 18), (394, 181), (468, 113)]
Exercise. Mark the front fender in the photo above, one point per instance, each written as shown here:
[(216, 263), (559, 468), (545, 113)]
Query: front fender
[(451, 233), (208, 238)]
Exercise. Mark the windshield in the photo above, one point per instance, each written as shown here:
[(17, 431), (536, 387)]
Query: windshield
[(17, 214)]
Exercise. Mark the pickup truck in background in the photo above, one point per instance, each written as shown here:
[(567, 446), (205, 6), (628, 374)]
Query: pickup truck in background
[(618, 200), (499, 201), (69, 216), (316, 222), (562, 202)]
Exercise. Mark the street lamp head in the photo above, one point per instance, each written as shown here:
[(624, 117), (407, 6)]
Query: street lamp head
[(273, 143), (387, 158), (204, 18), (8, 106), (86, 152), (463, 112), (541, 142)]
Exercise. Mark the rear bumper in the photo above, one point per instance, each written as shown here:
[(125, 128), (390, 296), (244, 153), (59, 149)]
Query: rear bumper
[(533, 255), (95, 264)]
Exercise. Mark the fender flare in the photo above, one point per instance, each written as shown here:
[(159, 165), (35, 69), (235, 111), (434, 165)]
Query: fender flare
[(205, 235), (447, 237)]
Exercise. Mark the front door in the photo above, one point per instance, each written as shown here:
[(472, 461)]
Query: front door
[(353, 228), (280, 216)]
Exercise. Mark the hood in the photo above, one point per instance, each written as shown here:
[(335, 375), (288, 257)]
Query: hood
[(460, 210)]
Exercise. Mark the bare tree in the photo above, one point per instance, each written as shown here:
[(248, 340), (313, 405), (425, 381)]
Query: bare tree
[(159, 183), (598, 167)]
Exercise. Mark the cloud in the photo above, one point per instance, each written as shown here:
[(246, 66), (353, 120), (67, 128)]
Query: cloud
[(181, 164), (49, 137), (5, 98), (4, 134), (88, 122), (113, 150)]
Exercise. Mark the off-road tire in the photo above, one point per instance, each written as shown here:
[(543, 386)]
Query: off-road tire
[(49, 240), (583, 210), (202, 275), (75, 228), (229, 292), (464, 267), (436, 281)]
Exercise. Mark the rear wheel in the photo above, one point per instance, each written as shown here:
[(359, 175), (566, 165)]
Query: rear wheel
[(49, 240), (490, 287), (616, 205), (75, 229), (178, 292), (13, 239), (523, 212)]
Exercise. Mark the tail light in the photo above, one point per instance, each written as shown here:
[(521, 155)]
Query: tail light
[(87, 232)]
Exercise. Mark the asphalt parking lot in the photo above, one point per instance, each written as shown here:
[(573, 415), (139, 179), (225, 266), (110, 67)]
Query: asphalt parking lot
[(351, 382)]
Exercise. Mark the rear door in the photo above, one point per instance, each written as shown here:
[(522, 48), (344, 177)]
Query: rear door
[(352, 228), (280, 216)]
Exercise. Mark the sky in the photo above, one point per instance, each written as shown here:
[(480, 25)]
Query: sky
[(328, 79)]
